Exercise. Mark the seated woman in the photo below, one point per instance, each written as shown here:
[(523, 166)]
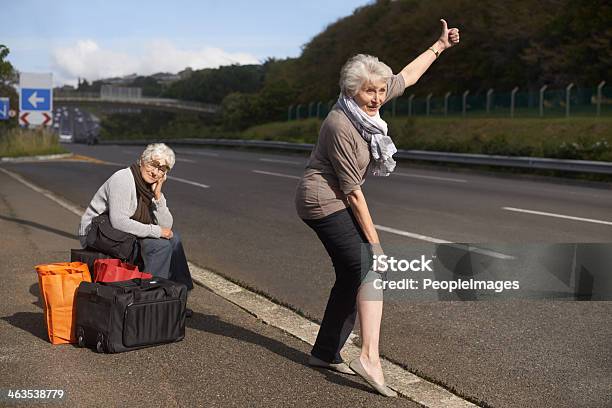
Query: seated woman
[(134, 202)]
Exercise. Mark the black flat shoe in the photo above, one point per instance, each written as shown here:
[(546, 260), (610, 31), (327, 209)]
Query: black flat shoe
[(188, 312), (339, 367)]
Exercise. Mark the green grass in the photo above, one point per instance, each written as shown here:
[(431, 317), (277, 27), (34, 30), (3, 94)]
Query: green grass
[(298, 131), (17, 142), (574, 138)]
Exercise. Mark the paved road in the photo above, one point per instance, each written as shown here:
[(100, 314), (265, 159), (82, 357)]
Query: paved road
[(505, 353), (228, 357)]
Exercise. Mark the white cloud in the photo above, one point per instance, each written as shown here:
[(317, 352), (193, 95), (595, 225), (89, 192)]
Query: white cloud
[(86, 59)]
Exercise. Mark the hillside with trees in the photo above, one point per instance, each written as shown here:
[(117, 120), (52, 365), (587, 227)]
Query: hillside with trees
[(527, 43), (503, 44)]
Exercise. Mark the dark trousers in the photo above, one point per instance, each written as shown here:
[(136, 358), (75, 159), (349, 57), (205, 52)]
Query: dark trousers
[(343, 239), (166, 258)]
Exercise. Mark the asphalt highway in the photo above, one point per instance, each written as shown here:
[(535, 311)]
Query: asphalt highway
[(234, 210), (228, 358)]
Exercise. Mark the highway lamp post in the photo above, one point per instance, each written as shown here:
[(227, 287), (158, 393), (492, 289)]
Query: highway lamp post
[(464, 102), (410, 99), (329, 105), (513, 100), (599, 96), (489, 100), (428, 104), (297, 112), (446, 96), (393, 104), (289, 113), (568, 92), (319, 109), (542, 89), (310, 109)]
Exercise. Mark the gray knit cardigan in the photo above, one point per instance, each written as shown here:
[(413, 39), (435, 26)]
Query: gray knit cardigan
[(117, 196)]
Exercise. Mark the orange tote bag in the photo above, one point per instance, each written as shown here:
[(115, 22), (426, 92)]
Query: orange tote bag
[(58, 283)]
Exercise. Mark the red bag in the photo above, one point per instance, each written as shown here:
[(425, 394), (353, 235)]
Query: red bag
[(113, 270)]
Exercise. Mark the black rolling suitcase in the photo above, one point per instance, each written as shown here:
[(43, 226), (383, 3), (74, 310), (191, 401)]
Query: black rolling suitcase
[(115, 317)]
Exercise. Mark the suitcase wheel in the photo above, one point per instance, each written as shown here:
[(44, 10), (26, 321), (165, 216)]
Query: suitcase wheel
[(80, 337), (100, 343)]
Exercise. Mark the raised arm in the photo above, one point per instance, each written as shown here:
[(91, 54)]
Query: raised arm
[(413, 71)]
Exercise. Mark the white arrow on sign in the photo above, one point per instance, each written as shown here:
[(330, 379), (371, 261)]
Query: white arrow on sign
[(4, 112), (34, 100)]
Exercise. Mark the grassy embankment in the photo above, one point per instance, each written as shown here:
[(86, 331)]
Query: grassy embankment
[(18, 142), (574, 138)]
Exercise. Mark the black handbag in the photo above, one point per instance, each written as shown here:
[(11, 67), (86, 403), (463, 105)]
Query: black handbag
[(104, 238)]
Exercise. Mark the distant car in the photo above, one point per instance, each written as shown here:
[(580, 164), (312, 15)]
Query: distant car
[(65, 137)]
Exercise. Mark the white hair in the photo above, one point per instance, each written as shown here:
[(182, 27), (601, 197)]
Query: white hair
[(361, 69), (158, 151)]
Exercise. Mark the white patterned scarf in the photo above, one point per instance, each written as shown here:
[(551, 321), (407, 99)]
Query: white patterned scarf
[(373, 129)]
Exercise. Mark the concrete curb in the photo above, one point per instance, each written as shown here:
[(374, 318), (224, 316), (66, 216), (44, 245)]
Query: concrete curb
[(22, 159), (404, 382)]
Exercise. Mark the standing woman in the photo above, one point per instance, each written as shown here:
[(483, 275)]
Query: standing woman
[(329, 200)]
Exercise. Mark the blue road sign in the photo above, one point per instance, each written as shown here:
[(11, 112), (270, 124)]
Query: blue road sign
[(33, 99), (4, 108)]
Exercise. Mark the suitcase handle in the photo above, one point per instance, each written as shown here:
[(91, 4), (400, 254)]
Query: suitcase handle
[(139, 283), (169, 291), (94, 296)]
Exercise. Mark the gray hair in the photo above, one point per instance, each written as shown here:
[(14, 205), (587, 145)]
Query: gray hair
[(158, 151), (361, 69)]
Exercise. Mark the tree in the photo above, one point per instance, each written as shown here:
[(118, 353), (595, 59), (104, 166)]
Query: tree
[(8, 79), (150, 86), (239, 111), (212, 85)]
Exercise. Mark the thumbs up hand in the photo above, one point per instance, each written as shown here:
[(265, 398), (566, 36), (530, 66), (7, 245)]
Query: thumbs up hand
[(448, 37)]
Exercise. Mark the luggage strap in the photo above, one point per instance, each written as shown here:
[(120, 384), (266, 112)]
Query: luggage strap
[(143, 285)]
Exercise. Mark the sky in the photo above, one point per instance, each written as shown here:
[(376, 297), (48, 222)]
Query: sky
[(95, 39)]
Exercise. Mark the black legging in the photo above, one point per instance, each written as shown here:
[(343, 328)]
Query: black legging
[(344, 241)]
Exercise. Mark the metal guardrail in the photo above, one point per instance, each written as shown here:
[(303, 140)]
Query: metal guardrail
[(540, 163), (157, 102)]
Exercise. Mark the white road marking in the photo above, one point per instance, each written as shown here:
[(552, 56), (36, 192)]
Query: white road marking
[(455, 180), (70, 207), (467, 247), (567, 217), (269, 173), (193, 183), (200, 153), (185, 160), (411, 235), (279, 161)]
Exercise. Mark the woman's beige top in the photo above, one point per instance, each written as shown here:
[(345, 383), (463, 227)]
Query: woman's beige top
[(338, 163)]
